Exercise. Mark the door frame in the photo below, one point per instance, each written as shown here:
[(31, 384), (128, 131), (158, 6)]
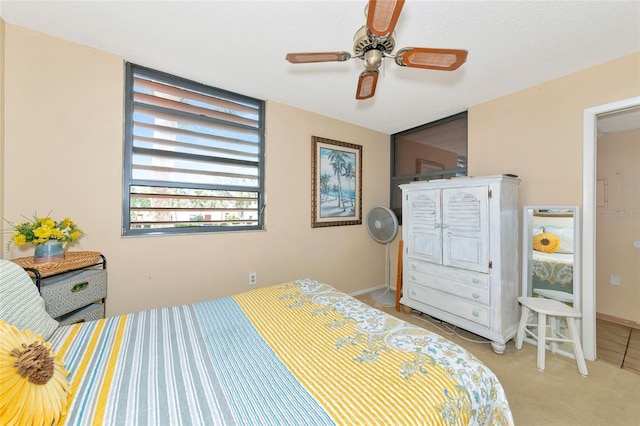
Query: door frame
[(589, 161)]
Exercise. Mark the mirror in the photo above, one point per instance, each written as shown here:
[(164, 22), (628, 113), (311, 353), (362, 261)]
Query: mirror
[(551, 253)]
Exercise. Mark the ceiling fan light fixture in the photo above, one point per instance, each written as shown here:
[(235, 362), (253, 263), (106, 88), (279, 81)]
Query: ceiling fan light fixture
[(367, 84), (372, 59), (437, 59)]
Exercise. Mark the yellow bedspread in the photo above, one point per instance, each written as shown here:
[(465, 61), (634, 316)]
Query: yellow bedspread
[(349, 355), (296, 353)]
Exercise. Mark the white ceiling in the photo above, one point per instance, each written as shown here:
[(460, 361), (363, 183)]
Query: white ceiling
[(241, 46)]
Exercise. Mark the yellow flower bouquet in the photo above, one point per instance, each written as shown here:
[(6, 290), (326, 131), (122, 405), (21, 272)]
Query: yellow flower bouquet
[(43, 229)]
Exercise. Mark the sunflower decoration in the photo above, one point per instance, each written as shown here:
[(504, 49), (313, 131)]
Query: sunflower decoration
[(546, 242), (33, 381)]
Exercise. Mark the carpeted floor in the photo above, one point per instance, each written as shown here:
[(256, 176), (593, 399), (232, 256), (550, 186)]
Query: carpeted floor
[(559, 396)]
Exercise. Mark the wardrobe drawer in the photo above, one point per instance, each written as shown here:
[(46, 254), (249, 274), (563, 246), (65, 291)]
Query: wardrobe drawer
[(461, 276), (446, 302), (456, 288), (92, 312), (72, 291)]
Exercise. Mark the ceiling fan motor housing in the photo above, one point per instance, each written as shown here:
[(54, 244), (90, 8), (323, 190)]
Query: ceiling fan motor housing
[(371, 48)]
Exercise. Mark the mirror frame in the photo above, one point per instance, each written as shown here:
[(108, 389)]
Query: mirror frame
[(527, 249)]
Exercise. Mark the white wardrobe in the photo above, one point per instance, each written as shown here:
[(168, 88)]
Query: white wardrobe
[(460, 260)]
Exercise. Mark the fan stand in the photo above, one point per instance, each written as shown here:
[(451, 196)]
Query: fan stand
[(386, 296)]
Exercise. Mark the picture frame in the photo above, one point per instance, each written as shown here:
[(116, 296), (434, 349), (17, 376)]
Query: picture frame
[(336, 183), (426, 166)]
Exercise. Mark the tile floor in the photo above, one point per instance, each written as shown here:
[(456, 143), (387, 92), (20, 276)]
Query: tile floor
[(619, 345)]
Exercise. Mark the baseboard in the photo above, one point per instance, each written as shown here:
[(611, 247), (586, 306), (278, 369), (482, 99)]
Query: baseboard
[(619, 321), (368, 290)]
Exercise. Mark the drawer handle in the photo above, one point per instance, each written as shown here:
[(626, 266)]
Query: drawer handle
[(475, 281), (475, 295), (475, 314), (413, 266), (413, 277), (413, 293), (80, 287)]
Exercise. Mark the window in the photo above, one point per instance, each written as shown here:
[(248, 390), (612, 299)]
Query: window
[(194, 157), (436, 150)]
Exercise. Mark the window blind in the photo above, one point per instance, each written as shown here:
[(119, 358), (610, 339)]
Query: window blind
[(194, 156)]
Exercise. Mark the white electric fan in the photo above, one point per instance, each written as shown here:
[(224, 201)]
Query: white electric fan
[(382, 225)]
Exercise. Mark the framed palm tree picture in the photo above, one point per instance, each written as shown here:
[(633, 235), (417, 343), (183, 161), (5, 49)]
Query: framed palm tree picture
[(336, 183)]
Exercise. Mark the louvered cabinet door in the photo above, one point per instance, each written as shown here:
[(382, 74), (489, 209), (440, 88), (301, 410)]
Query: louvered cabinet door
[(465, 228), (461, 253), (424, 220)]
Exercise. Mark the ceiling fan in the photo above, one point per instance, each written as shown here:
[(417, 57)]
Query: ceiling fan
[(374, 41)]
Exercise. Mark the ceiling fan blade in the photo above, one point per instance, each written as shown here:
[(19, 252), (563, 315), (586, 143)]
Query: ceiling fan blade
[(367, 84), (382, 16), (307, 57), (435, 59)]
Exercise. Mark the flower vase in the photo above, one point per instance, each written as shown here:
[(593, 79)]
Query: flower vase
[(50, 251)]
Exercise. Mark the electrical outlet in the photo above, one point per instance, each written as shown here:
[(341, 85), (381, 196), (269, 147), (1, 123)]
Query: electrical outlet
[(614, 279), (253, 278)]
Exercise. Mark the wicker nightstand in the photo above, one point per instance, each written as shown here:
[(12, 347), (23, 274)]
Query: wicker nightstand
[(73, 289)]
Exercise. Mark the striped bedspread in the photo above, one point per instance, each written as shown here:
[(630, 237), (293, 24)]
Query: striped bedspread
[(299, 353)]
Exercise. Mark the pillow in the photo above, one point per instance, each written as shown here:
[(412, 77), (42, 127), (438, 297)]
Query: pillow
[(34, 381), (566, 237), (546, 242), (20, 302)]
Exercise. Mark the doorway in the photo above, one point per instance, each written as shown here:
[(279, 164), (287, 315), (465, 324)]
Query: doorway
[(590, 119)]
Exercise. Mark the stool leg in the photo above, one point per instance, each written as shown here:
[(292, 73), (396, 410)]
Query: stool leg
[(553, 328), (542, 339), (577, 347), (524, 318)]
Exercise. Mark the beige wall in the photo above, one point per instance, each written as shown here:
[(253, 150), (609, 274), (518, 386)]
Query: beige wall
[(64, 115), (537, 134), (63, 142), (618, 225)]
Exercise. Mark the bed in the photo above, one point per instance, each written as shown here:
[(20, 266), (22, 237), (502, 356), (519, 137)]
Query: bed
[(553, 271), (296, 353)]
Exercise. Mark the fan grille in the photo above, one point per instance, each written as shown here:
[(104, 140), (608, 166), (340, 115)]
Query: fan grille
[(382, 224)]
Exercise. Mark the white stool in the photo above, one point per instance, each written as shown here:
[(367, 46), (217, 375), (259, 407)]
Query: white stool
[(553, 309)]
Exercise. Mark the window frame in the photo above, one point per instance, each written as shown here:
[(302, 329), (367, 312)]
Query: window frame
[(129, 183)]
